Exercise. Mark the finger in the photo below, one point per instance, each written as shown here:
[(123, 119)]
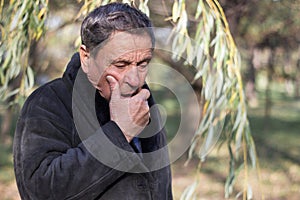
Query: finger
[(144, 94), (145, 113), (145, 119), (114, 86)]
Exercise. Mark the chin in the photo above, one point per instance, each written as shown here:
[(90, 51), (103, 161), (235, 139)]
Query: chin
[(130, 94)]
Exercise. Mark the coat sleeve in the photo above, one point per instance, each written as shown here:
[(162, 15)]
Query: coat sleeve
[(48, 167)]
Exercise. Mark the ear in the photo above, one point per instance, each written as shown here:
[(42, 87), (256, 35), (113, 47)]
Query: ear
[(84, 58)]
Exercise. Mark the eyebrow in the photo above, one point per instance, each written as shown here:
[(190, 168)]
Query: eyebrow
[(146, 59)]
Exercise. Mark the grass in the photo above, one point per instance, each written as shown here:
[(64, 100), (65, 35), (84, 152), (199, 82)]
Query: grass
[(278, 145), (6, 164), (6, 158), (279, 133), (8, 189)]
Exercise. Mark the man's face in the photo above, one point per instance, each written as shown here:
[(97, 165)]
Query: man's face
[(124, 56)]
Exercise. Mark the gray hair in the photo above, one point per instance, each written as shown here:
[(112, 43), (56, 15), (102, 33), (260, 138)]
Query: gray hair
[(104, 20)]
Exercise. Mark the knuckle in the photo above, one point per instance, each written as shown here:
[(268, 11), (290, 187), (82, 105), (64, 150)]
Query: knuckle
[(138, 101), (147, 109), (146, 93)]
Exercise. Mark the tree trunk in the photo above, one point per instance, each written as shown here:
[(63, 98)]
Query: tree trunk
[(268, 101), (250, 85), (297, 80)]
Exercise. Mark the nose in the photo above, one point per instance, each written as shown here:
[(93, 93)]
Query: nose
[(132, 77)]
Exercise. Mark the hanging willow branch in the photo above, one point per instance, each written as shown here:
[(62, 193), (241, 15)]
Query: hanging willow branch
[(25, 23), (214, 54)]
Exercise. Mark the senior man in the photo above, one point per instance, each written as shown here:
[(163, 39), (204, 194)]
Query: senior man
[(70, 144)]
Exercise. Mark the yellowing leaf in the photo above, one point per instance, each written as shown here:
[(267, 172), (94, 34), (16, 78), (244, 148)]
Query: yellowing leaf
[(175, 11), (41, 13)]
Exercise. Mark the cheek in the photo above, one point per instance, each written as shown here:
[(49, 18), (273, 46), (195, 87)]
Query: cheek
[(104, 87), (113, 72), (103, 83), (94, 75), (143, 76)]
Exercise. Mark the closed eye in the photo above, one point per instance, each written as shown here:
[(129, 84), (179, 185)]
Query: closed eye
[(121, 64), (143, 63)]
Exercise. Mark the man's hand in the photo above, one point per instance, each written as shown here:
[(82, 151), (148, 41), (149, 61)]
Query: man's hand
[(131, 114)]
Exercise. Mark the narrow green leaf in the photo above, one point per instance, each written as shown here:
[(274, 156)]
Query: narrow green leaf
[(251, 149), (210, 21), (199, 9), (239, 133), (30, 77), (238, 118), (199, 56), (249, 193), (11, 93), (189, 51), (208, 87), (219, 83), (192, 147), (189, 192)]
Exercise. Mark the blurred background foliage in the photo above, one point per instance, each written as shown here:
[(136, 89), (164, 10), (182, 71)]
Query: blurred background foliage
[(38, 38)]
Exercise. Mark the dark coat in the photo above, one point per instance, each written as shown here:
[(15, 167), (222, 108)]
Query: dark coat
[(52, 161)]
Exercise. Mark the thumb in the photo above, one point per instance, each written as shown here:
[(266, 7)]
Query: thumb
[(114, 86)]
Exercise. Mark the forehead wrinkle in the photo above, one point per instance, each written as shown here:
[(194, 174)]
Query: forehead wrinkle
[(135, 56), (123, 44)]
